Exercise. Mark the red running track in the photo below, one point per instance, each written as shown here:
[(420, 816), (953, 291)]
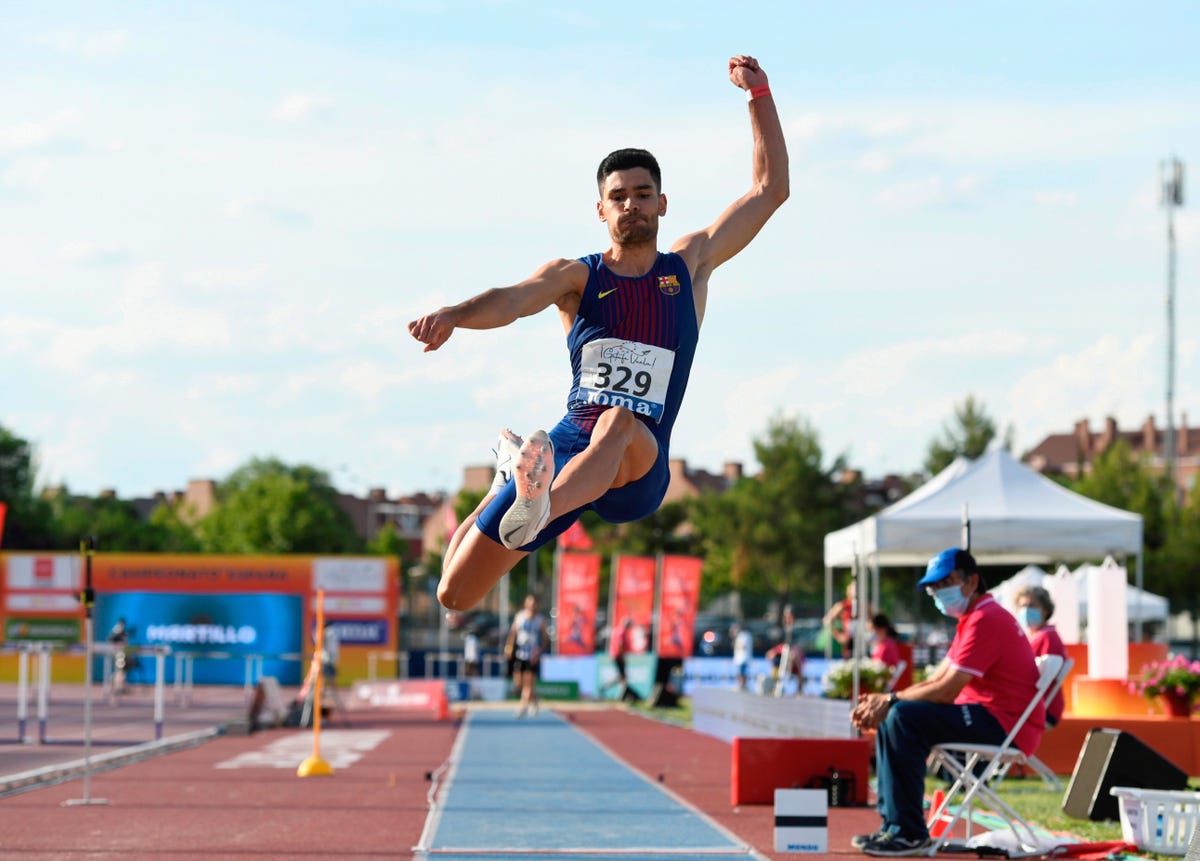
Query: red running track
[(180, 807)]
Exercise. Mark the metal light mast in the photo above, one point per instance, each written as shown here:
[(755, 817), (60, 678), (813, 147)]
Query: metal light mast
[(1171, 177)]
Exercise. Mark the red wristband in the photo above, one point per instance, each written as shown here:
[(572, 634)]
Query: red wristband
[(758, 92)]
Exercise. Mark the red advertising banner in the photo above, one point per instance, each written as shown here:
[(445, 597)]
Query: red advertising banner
[(680, 598), (632, 602), (578, 594), (575, 538)]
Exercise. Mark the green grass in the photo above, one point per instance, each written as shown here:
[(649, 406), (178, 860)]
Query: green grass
[(680, 715), (1042, 806), (1030, 797)]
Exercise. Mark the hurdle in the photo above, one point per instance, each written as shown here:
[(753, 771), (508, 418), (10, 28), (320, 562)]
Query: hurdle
[(185, 664), (400, 659), (24, 651), (44, 651)]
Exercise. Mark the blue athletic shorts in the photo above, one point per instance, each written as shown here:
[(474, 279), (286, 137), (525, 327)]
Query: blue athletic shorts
[(634, 501)]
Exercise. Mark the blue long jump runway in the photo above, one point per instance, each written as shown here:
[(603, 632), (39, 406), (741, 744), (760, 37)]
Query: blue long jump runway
[(538, 787)]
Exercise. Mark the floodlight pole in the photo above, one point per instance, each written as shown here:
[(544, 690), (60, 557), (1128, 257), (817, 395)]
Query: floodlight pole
[(1171, 176)]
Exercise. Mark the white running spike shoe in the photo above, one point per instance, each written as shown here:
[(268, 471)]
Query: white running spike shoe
[(507, 449), (530, 511)]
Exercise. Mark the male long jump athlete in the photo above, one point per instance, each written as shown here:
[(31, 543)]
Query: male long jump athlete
[(632, 316)]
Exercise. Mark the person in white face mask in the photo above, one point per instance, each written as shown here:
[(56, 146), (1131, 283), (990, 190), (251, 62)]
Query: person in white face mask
[(976, 695), (1034, 609)]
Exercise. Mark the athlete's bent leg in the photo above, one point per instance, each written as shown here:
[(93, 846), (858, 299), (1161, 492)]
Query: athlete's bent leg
[(621, 451), (465, 581), (464, 528), (476, 565)]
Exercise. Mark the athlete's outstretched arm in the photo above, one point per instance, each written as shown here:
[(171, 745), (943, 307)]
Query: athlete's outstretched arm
[(559, 282), (732, 231)]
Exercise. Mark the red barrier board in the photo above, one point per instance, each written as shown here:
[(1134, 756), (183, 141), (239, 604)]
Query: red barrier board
[(762, 765), (402, 696)]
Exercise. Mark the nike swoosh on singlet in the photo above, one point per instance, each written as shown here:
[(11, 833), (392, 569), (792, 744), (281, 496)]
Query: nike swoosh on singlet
[(604, 293)]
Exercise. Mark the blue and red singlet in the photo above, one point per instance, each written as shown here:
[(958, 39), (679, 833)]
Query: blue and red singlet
[(631, 345)]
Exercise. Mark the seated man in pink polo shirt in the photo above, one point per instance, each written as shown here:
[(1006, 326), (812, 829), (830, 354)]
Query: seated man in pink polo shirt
[(976, 695)]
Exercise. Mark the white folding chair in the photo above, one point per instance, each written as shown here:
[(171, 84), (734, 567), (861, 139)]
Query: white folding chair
[(959, 759), (1032, 762)]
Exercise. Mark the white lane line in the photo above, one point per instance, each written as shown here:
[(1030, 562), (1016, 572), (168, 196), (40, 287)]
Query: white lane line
[(341, 748)]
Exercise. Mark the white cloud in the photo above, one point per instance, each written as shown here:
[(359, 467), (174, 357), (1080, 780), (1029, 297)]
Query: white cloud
[(217, 462), (207, 386), (146, 320), (222, 278), (27, 174), (249, 205), (369, 380), (298, 107), (242, 205), (1055, 198), (875, 162), (929, 192), (1112, 376), (32, 135), (812, 127), (1015, 133), (86, 252), (99, 45), (876, 372), (103, 46)]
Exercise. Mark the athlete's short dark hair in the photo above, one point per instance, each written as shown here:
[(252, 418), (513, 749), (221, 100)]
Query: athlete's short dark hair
[(624, 159)]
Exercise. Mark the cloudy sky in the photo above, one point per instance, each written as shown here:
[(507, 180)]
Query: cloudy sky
[(216, 220)]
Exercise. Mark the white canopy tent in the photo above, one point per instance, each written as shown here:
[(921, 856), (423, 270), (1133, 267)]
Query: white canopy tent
[(1015, 515), (1140, 604)]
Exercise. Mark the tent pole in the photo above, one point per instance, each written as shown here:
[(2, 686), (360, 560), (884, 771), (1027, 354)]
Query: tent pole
[(828, 604), (1137, 625), (855, 615), (876, 588)]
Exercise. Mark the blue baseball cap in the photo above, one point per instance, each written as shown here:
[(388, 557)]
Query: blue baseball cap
[(946, 563)]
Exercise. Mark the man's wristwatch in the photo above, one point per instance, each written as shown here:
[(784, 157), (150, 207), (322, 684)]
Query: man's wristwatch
[(892, 699)]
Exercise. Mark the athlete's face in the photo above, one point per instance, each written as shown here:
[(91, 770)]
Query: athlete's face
[(630, 205)]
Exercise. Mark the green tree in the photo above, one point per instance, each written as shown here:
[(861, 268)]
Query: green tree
[(1179, 563), (28, 523), (1122, 479), (174, 534), (968, 433), (269, 507), (766, 535), (664, 531), (116, 527), (389, 542)]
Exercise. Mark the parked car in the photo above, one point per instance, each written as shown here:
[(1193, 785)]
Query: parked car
[(711, 636), (765, 633), (805, 635)]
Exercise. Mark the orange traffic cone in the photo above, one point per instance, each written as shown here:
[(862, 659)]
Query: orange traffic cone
[(938, 827)]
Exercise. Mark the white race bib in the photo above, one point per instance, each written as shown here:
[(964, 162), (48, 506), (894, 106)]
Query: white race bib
[(616, 372)]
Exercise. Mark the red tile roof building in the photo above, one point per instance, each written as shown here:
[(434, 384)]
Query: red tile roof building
[(1072, 453)]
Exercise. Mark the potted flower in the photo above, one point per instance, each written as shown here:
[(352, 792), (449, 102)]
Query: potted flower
[(1175, 681), (838, 680)]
